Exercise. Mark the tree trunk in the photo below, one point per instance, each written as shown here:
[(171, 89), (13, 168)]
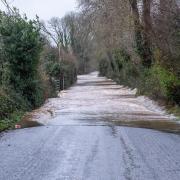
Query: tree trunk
[(137, 27), (147, 32)]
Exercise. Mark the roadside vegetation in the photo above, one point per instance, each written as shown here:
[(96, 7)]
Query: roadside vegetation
[(137, 44), (20, 83), (31, 67)]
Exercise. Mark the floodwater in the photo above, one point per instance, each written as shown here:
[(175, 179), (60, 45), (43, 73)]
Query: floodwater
[(83, 137), (99, 101)]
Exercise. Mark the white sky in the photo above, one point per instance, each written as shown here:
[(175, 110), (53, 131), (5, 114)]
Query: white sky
[(45, 9)]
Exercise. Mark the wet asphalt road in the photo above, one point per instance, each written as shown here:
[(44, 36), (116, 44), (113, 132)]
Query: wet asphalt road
[(81, 141)]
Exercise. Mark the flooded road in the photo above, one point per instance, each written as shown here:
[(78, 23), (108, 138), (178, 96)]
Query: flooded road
[(82, 137), (99, 101)]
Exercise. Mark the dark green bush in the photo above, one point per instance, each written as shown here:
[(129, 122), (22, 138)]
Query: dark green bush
[(21, 45), (169, 83), (21, 87), (7, 106)]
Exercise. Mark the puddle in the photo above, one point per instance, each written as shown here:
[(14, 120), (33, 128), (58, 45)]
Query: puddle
[(169, 126), (161, 125)]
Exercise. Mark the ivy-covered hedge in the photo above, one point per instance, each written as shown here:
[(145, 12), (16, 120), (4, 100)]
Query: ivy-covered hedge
[(158, 81), (161, 83), (21, 87), (21, 45), (29, 67)]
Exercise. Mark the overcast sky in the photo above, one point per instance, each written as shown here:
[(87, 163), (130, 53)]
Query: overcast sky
[(45, 9)]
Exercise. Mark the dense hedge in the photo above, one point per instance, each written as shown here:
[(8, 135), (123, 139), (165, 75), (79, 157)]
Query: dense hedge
[(29, 67), (21, 44), (21, 86)]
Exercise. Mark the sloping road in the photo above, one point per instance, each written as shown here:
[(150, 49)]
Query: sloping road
[(82, 142)]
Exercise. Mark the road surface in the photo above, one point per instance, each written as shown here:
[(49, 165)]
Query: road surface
[(81, 141)]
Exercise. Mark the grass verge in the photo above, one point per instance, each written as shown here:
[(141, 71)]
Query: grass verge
[(9, 123), (176, 111)]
